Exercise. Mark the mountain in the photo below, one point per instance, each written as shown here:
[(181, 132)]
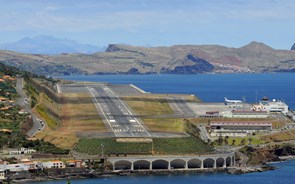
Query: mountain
[(49, 45), (178, 59), (293, 47)]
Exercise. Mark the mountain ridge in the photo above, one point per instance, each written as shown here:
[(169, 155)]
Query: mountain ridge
[(44, 44), (178, 59)]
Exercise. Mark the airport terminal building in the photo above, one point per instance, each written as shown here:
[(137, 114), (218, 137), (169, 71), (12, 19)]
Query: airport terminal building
[(237, 128)]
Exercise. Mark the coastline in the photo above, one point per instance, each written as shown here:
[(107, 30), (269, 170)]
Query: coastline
[(230, 170)]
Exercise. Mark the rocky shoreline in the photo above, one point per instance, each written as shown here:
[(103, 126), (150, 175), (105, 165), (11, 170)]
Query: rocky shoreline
[(231, 170)]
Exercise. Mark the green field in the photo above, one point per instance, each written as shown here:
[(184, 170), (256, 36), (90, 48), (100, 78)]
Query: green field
[(173, 146)]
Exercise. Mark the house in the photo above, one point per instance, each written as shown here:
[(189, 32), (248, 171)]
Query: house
[(75, 163), (3, 174), (53, 164)]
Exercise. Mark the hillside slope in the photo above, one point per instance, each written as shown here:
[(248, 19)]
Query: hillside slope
[(178, 59)]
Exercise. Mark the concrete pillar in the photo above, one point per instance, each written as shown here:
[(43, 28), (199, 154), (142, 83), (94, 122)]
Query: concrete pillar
[(113, 166), (233, 162), (169, 165), (215, 163), (224, 163), (132, 166), (151, 165), (202, 164), (186, 165)]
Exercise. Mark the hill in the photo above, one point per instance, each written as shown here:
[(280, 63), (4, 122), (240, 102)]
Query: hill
[(49, 45), (177, 59)]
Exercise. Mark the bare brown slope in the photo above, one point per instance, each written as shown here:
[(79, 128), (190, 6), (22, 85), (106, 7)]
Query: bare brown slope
[(254, 57)]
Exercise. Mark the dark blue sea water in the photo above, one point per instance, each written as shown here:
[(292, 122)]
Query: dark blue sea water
[(283, 175), (211, 87)]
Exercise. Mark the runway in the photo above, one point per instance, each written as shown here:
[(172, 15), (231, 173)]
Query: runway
[(115, 113)]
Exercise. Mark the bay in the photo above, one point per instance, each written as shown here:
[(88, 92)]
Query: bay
[(210, 87)]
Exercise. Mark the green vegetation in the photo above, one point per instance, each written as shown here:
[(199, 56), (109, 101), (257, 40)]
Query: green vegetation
[(18, 140), (186, 145), (148, 105), (165, 124), (14, 124), (239, 141), (46, 116)]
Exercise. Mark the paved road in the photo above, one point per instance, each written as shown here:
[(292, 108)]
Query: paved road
[(115, 113), (23, 102)]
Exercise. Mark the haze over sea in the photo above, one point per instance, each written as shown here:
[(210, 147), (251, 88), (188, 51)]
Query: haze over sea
[(210, 88)]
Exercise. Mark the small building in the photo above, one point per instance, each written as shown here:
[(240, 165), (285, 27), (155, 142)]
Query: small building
[(17, 167), (237, 128), (22, 151), (3, 174), (75, 163), (211, 114), (53, 164)]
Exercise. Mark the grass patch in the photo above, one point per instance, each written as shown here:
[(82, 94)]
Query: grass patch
[(236, 141), (45, 115), (173, 146), (148, 105), (280, 136), (165, 124), (75, 118)]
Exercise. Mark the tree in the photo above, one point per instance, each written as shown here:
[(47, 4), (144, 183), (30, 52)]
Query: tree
[(243, 141), (250, 140), (233, 143)]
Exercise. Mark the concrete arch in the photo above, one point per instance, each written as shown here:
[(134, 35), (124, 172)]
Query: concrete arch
[(194, 163), (177, 164), (209, 163), (228, 161), (160, 164), (122, 165), (220, 162), (141, 165)]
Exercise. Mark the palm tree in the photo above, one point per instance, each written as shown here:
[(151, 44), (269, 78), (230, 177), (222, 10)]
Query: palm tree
[(233, 143)]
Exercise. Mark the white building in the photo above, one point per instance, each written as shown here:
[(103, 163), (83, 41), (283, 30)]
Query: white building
[(272, 106), (2, 174), (248, 114), (237, 128), (53, 164), (22, 151)]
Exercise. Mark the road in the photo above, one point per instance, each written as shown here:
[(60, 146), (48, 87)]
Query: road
[(115, 113), (23, 102)]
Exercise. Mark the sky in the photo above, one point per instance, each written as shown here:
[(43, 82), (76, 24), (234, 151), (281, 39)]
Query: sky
[(232, 23)]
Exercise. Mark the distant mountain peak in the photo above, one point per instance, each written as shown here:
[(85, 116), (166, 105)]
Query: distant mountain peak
[(258, 46), (293, 47), (45, 44)]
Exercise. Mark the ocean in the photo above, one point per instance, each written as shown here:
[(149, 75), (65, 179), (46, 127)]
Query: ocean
[(210, 88), (283, 175)]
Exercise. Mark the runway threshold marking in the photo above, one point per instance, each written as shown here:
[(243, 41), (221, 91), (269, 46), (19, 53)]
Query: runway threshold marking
[(128, 111)]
